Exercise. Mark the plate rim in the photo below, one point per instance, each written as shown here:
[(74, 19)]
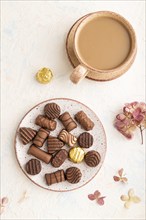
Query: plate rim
[(16, 133)]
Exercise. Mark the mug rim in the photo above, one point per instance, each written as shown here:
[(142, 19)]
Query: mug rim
[(130, 31)]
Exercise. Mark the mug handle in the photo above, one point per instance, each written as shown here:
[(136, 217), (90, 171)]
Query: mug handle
[(78, 74)]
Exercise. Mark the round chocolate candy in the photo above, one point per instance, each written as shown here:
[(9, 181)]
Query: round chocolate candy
[(73, 175), (33, 167), (76, 154), (52, 110), (85, 140), (92, 158), (44, 75)]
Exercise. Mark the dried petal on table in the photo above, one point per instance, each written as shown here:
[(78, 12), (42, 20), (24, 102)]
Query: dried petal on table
[(121, 176), (136, 199), (97, 196), (116, 178), (91, 197), (24, 196), (124, 198), (3, 203), (130, 198), (120, 172), (100, 200)]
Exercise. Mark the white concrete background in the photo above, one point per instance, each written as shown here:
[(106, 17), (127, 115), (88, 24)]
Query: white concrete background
[(33, 36)]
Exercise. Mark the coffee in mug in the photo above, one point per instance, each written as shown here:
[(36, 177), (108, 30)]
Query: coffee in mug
[(104, 44)]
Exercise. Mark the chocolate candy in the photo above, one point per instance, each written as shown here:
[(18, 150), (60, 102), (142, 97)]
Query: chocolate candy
[(92, 158), (73, 175), (59, 158), (67, 121), (84, 121), (54, 144), (40, 154), (44, 75), (67, 138), (33, 167), (55, 177), (41, 136), (45, 122), (85, 140), (76, 154), (52, 110), (26, 134)]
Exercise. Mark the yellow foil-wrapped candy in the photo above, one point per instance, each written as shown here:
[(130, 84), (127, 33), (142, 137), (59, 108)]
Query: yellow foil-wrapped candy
[(76, 154), (44, 75)]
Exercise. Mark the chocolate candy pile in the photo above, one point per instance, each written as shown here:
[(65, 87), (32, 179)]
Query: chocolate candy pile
[(55, 155)]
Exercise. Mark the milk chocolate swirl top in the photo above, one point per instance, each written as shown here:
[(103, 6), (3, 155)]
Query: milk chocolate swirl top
[(73, 175), (67, 121), (92, 158), (26, 134), (52, 110), (67, 138)]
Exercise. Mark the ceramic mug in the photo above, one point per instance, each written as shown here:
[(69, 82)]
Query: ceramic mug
[(84, 69)]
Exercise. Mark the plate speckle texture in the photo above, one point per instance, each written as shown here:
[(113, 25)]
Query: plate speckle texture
[(99, 145)]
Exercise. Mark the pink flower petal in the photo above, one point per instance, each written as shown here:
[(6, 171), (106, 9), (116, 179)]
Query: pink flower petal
[(116, 178), (127, 122), (139, 118), (134, 104), (120, 172), (127, 134), (4, 200), (142, 106), (131, 105), (100, 201), (136, 112), (97, 194), (91, 197), (126, 110), (121, 117), (119, 124)]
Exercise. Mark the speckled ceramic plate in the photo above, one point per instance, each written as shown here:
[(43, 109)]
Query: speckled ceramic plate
[(99, 145)]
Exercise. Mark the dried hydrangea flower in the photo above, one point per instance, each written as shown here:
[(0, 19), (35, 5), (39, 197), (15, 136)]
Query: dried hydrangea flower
[(121, 176), (3, 203), (133, 116), (130, 198), (97, 196)]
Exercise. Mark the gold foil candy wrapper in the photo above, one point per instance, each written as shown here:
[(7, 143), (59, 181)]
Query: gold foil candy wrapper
[(44, 75), (76, 154)]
